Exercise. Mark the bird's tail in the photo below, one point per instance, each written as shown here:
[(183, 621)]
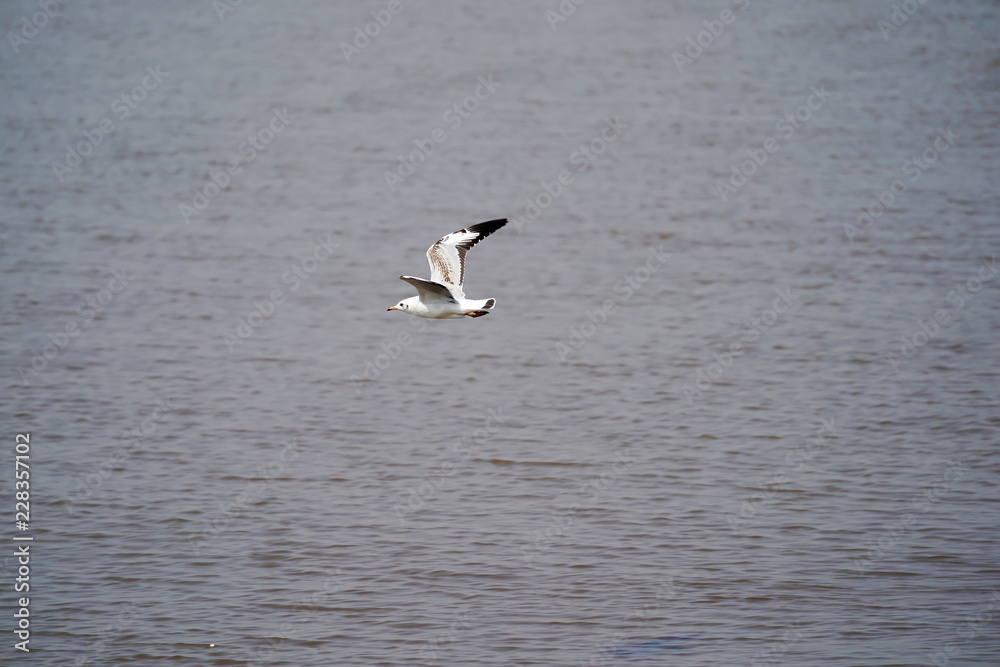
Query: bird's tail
[(488, 304)]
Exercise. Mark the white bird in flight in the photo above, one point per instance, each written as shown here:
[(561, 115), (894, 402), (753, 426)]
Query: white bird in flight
[(442, 297)]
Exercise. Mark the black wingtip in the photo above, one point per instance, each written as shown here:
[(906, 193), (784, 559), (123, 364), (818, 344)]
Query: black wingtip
[(488, 227)]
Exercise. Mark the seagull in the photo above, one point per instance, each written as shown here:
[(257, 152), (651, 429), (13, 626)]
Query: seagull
[(442, 297)]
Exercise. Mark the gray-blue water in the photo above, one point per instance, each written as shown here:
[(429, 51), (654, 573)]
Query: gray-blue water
[(706, 424)]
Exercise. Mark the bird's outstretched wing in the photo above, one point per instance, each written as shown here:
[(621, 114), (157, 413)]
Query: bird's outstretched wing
[(429, 290), (447, 256)]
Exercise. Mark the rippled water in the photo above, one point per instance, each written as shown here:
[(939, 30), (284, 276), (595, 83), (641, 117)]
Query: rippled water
[(690, 433)]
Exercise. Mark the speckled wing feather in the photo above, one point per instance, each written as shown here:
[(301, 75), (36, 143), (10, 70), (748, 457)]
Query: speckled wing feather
[(447, 256)]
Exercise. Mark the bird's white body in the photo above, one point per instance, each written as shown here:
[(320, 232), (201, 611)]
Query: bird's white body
[(442, 296), (441, 309)]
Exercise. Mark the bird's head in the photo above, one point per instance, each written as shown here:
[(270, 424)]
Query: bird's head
[(404, 305)]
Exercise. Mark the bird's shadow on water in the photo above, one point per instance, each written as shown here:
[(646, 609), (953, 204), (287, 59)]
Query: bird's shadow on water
[(654, 645)]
